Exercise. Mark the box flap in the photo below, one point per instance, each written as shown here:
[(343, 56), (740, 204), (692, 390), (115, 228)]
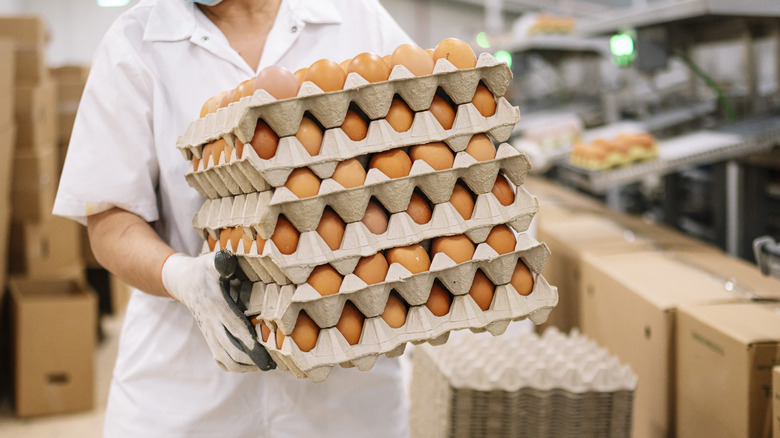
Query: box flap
[(748, 323)]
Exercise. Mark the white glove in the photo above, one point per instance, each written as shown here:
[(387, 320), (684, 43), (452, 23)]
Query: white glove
[(195, 282)]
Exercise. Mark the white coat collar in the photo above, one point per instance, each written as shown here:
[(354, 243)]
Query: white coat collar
[(174, 20)]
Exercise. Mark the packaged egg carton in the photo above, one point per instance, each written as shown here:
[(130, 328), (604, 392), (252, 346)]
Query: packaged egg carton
[(524, 385), (283, 116), (274, 267), (281, 304), (250, 173), (259, 210)]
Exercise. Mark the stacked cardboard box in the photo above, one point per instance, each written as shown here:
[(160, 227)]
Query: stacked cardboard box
[(8, 128)]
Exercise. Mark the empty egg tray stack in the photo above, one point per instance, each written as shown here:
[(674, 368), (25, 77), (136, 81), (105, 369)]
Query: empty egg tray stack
[(553, 385), (249, 192)]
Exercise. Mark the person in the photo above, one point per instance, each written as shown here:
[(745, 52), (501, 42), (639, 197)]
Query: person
[(124, 178)]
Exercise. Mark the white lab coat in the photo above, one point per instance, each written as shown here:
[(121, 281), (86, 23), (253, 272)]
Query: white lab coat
[(155, 68)]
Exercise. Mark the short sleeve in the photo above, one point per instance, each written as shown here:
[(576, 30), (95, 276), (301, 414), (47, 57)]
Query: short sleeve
[(111, 160)]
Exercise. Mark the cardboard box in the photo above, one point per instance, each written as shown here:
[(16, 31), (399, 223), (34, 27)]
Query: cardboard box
[(776, 402), (51, 247), (34, 186), (70, 80), (65, 121), (7, 142), (629, 306), (30, 36), (36, 114), (120, 294), (725, 357), (734, 273), (54, 345), (7, 63)]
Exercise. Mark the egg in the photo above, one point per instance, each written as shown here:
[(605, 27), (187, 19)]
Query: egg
[(439, 300), (300, 74), (414, 58), (277, 81), (305, 332), (458, 247), (395, 311), (264, 141), (207, 107), (354, 126), (239, 148), (195, 162), (463, 200), (310, 135), (349, 173), (482, 290), (522, 279), (285, 236), (386, 58), (412, 257), (303, 183), (501, 239), (481, 148), (394, 163), (375, 217), (245, 89), (503, 191), (325, 279), (437, 154), (372, 269), (326, 74), (456, 51), (237, 234), (350, 323), (419, 209), (224, 238), (260, 242), (211, 242), (227, 98), (345, 64), (208, 150), (265, 331), (484, 101), (279, 339), (399, 116), (217, 148), (430, 53), (331, 229), (443, 111), (370, 67)]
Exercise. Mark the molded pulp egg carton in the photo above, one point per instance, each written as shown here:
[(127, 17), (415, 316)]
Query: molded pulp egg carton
[(279, 306), (555, 385), (250, 173)]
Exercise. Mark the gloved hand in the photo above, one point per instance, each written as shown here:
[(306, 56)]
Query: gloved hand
[(195, 282)]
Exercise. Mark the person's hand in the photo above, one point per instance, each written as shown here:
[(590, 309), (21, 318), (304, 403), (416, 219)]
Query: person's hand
[(195, 282)]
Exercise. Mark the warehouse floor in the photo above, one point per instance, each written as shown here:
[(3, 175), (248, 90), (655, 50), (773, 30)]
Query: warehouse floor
[(85, 424)]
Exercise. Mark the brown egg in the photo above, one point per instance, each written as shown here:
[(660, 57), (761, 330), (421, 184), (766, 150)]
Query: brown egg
[(400, 116), (224, 238), (325, 279), (265, 331), (300, 74), (220, 149), (305, 332), (395, 311), (331, 229), (208, 150), (260, 244), (195, 162), (351, 323), (419, 209), (412, 257), (458, 52), (482, 290), (443, 111), (439, 300), (212, 242), (463, 200), (239, 148), (414, 58), (386, 58), (310, 135), (375, 217), (370, 66), (227, 98), (522, 279), (354, 126), (372, 269), (502, 239), (345, 64), (285, 236), (265, 141), (303, 183), (503, 191), (459, 247), (207, 107), (394, 163), (484, 101), (326, 74), (481, 148), (349, 173), (245, 89), (237, 234), (277, 81), (279, 339), (430, 53), (437, 154)]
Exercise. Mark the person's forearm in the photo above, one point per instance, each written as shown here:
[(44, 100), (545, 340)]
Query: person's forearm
[(128, 247)]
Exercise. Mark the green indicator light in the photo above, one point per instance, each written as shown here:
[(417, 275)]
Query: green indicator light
[(621, 45), (504, 56), (482, 40)]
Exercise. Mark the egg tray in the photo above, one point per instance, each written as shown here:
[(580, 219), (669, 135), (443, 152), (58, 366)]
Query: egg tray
[(634, 155), (330, 108), (274, 267), (421, 326), (281, 304), (259, 211), (250, 173)]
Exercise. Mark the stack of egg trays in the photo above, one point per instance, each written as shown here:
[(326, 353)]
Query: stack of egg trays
[(552, 400), (249, 193)]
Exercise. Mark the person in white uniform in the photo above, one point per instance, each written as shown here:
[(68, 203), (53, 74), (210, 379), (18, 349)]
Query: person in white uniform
[(124, 178)]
